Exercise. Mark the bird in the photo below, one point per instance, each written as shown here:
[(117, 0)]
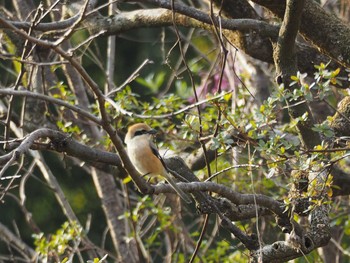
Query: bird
[(145, 157)]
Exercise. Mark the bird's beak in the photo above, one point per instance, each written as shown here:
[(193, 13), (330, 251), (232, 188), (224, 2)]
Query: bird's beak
[(153, 131)]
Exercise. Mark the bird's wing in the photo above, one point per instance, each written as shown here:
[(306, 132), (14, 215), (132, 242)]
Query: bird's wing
[(167, 176), (156, 153)]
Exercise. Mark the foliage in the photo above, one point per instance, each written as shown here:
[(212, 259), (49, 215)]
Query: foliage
[(202, 96), (58, 246)]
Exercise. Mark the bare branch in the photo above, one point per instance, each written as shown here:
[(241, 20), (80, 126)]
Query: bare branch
[(25, 93), (59, 142), (7, 236)]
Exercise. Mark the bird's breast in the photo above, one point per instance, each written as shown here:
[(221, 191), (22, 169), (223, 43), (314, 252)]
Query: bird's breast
[(143, 158)]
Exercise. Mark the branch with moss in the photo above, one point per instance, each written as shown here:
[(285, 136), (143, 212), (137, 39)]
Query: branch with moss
[(332, 38), (286, 66), (255, 30)]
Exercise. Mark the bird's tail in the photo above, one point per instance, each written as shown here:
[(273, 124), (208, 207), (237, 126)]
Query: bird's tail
[(181, 193)]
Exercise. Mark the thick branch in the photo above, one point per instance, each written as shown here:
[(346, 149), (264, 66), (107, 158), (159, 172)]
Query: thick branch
[(190, 17), (235, 197), (256, 43), (332, 36), (286, 66), (286, 59), (64, 143), (254, 38), (283, 251)]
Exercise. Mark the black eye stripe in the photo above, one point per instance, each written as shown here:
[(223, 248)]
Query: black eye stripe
[(140, 132)]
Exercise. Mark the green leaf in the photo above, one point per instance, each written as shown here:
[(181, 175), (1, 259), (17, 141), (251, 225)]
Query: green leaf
[(127, 180), (295, 78)]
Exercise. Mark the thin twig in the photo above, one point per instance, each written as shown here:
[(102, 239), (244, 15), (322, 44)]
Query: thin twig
[(71, 29), (133, 76), (25, 93), (201, 237), (168, 115)]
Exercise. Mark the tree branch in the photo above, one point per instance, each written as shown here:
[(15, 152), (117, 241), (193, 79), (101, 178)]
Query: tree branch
[(286, 66), (26, 93), (224, 191), (259, 33), (7, 236), (62, 143), (332, 38)]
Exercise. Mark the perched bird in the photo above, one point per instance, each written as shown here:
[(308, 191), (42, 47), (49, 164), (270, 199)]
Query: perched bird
[(145, 156)]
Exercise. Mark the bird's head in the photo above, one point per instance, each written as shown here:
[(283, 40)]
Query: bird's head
[(138, 129)]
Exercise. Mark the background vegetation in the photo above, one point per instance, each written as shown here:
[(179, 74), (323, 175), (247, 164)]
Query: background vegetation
[(251, 103)]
